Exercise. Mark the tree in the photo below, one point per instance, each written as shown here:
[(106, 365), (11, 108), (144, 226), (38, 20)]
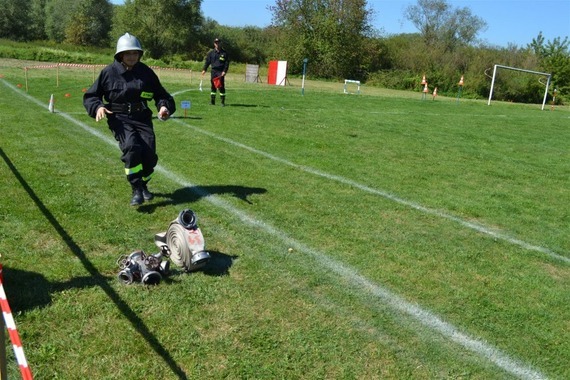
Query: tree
[(90, 23), (58, 16), (442, 26), (37, 16), (330, 33), (244, 44), (82, 22), (164, 27), (14, 19), (554, 58)]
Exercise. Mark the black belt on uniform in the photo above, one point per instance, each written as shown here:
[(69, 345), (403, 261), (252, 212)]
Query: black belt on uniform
[(127, 108)]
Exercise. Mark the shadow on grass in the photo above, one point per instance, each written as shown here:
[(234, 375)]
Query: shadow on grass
[(95, 277), (219, 264), (28, 290), (195, 193)]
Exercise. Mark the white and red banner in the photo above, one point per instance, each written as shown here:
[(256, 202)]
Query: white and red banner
[(277, 73)]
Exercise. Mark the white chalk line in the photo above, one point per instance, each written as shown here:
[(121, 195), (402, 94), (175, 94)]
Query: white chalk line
[(426, 318), (471, 225), (397, 303)]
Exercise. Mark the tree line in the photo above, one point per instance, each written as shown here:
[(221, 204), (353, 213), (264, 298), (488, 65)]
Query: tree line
[(336, 36)]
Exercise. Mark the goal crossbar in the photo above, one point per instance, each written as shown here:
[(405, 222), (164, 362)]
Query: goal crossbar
[(525, 71)]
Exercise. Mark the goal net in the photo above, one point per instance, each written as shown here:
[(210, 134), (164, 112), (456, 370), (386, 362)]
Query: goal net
[(522, 70)]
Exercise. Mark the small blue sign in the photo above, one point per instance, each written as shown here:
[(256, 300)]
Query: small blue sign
[(185, 104)]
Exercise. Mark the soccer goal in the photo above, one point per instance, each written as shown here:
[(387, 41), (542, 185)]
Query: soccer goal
[(523, 70), (351, 86)]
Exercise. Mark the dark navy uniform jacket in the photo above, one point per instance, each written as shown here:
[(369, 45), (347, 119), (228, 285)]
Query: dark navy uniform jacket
[(116, 84), (219, 61)]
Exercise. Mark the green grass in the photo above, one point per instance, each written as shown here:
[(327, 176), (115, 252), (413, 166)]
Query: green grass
[(430, 238)]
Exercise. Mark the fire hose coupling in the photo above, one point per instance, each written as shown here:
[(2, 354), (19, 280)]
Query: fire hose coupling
[(188, 219), (183, 243), (139, 267)]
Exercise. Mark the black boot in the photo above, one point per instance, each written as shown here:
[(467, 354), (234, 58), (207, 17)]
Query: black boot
[(223, 99), (147, 195), (213, 100), (137, 198)]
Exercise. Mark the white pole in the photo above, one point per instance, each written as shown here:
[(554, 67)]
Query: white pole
[(492, 85), (546, 92), (304, 73)]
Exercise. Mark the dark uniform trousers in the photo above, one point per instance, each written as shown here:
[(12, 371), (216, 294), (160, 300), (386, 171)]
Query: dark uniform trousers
[(138, 144)]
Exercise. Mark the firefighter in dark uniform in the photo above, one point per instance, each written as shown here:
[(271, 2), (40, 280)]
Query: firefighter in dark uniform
[(218, 59), (121, 94)]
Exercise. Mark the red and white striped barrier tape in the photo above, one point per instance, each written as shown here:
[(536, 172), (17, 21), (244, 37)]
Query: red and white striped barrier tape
[(56, 65), (14, 336), (86, 66), (40, 67), (169, 68), (82, 65)]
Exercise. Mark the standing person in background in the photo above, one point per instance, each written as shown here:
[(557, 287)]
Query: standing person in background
[(127, 85), (218, 59)]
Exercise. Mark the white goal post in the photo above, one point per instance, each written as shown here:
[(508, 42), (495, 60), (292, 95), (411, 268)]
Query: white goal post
[(523, 70)]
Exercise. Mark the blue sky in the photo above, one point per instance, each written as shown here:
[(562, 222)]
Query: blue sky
[(508, 21)]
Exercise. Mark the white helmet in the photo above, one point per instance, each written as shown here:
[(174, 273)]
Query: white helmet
[(127, 42)]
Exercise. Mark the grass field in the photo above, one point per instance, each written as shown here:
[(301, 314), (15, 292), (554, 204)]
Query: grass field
[(430, 239)]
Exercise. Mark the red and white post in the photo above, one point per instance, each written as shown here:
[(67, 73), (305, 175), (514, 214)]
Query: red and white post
[(8, 322)]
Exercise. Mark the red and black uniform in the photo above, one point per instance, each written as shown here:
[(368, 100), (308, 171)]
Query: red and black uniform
[(219, 61), (127, 93)]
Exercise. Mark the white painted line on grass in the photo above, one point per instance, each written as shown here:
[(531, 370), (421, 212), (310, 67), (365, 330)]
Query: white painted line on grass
[(425, 317), (474, 226), (397, 303), (183, 91)]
